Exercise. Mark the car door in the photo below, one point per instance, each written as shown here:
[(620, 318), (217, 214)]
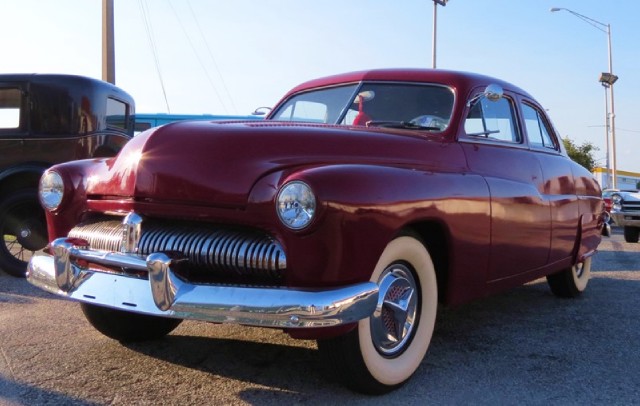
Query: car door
[(495, 148), (559, 186)]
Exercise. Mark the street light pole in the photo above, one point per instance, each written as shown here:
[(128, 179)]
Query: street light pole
[(607, 80), (612, 118), (606, 184), (435, 23)]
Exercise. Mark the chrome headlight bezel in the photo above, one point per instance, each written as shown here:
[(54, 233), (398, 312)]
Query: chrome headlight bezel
[(616, 202), (51, 190), (296, 205)]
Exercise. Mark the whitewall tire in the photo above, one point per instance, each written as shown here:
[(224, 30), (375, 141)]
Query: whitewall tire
[(386, 349), (571, 282)]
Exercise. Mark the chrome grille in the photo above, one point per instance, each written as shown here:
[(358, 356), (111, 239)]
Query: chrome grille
[(105, 235), (227, 250), (628, 205), (218, 250)]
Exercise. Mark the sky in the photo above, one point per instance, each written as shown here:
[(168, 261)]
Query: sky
[(230, 57)]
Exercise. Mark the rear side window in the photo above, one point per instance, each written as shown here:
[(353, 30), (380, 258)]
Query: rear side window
[(10, 102), (117, 114), (538, 131), (493, 120)]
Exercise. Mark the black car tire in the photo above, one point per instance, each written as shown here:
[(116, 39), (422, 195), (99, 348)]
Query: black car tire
[(127, 326), (23, 228), (631, 234)]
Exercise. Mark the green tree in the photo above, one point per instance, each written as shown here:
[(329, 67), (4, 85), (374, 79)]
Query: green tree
[(582, 154)]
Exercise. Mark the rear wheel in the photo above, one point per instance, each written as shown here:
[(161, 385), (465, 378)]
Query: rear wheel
[(24, 230), (571, 282), (127, 326), (631, 234), (384, 350)]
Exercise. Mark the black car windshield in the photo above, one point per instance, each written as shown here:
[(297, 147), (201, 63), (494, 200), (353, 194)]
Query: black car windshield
[(398, 105)]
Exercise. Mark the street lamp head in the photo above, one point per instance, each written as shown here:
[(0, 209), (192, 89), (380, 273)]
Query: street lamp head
[(554, 9), (608, 78)]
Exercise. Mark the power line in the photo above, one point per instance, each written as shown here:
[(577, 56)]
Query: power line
[(629, 131), (198, 58), (147, 25), (212, 58)]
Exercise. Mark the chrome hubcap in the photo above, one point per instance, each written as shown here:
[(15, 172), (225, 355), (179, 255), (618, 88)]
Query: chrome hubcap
[(394, 320), (25, 232)]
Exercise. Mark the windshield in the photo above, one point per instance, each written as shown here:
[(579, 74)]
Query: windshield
[(401, 105)]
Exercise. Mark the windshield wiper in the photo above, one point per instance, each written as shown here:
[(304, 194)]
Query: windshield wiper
[(401, 124)]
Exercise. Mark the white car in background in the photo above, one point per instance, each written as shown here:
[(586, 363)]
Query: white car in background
[(625, 211)]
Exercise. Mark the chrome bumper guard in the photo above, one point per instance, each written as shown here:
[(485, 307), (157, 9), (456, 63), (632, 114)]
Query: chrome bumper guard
[(165, 294)]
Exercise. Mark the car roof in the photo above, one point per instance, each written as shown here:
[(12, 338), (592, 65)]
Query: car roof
[(456, 79)]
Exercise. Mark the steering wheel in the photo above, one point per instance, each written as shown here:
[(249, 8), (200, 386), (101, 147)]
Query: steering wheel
[(430, 121)]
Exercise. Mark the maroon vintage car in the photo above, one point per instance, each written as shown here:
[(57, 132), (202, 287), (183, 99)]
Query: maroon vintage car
[(364, 201)]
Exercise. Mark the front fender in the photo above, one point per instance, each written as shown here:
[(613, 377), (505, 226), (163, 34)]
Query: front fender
[(363, 207)]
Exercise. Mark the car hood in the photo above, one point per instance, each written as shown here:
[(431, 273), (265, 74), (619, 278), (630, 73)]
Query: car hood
[(630, 196), (219, 162)]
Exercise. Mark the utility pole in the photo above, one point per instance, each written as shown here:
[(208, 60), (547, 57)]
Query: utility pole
[(108, 46), (435, 23)]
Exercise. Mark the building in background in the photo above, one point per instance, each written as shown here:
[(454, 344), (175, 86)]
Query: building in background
[(626, 180)]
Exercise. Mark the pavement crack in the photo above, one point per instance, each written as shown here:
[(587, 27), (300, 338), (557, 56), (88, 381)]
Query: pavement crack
[(8, 363)]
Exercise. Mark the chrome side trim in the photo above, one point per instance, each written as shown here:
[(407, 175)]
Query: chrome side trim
[(165, 294)]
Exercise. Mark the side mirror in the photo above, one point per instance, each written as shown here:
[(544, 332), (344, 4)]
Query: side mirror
[(365, 96), (492, 93), (261, 111)]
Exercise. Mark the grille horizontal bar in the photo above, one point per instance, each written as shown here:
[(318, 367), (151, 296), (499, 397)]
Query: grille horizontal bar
[(631, 206)]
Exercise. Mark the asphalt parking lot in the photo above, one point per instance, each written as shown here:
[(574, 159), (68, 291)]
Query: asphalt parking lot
[(521, 347)]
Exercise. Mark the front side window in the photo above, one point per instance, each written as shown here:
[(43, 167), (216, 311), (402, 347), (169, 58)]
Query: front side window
[(538, 131), (492, 120), (117, 114), (10, 102), (400, 105)]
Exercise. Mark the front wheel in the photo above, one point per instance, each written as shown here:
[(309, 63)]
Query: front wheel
[(571, 282), (23, 228), (631, 234), (127, 326), (384, 350)]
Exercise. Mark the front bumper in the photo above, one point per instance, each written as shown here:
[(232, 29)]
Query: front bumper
[(154, 289), (622, 218)]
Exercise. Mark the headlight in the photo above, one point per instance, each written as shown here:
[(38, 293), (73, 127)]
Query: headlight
[(51, 190), (296, 205), (616, 201), (616, 198)]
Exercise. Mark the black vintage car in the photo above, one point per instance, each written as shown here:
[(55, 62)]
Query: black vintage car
[(47, 119)]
